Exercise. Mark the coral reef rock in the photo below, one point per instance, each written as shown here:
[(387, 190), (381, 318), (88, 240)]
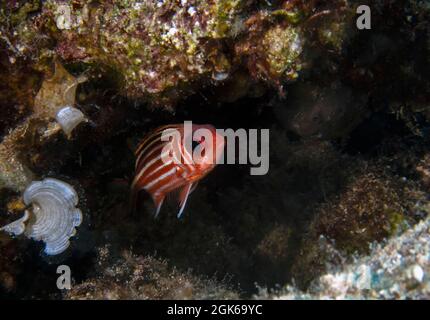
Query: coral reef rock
[(399, 269), (144, 277)]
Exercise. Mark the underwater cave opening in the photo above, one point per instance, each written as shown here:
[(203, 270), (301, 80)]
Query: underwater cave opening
[(238, 229)]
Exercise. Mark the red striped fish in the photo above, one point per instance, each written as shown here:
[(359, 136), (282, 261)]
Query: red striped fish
[(165, 162)]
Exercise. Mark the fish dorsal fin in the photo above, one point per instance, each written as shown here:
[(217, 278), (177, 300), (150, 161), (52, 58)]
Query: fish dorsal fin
[(149, 141), (183, 196)]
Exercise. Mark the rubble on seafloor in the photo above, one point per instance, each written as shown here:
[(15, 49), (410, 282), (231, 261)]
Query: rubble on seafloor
[(145, 277), (342, 212), (397, 269)]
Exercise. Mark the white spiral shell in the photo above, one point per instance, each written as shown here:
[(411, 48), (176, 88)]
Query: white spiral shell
[(69, 118), (53, 217)]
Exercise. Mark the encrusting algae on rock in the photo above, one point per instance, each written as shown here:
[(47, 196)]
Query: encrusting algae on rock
[(163, 51), (155, 47)]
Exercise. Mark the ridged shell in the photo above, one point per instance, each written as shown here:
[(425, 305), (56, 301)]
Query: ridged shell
[(69, 118), (53, 217)]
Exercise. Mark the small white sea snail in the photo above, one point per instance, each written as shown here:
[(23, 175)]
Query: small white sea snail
[(53, 216), (69, 118)]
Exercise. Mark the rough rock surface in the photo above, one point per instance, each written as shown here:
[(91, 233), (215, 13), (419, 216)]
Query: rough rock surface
[(398, 269), (136, 277)]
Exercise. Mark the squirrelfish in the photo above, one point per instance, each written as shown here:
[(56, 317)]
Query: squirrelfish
[(174, 158)]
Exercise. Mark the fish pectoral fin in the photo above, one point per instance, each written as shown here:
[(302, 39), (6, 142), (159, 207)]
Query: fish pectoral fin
[(183, 196), (158, 203)]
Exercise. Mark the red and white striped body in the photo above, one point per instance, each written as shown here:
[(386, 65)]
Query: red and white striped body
[(159, 171)]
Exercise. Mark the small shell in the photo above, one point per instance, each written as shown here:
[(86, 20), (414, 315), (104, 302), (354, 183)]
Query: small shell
[(64, 17), (220, 76), (17, 227), (53, 217), (69, 118)]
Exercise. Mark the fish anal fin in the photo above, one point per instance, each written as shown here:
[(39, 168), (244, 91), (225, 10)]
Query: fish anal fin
[(195, 184), (158, 201), (183, 196)]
